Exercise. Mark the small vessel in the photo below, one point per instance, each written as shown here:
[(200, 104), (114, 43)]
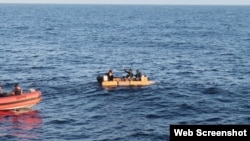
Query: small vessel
[(25, 100), (117, 81)]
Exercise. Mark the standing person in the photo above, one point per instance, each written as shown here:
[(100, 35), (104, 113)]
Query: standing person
[(130, 74), (110, 75), (138, 75), (17, 90)]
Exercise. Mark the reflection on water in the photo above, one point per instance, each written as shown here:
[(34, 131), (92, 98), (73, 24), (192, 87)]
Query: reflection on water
[(21, 124)]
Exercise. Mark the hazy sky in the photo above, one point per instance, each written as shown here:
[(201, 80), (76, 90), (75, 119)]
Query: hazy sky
[(200, 2)]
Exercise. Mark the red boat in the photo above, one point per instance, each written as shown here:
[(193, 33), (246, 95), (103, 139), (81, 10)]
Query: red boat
[(25, 100)]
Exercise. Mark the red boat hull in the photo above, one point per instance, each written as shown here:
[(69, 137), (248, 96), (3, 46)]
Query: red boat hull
[(26, 100)]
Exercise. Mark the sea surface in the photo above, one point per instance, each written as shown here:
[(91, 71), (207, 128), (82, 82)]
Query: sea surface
[(198, 56)]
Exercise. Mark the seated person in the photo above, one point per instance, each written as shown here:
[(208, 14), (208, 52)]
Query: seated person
[(138, 75), (1, 90), (110, 75), (17, 90), (129, 73), (2, 94)]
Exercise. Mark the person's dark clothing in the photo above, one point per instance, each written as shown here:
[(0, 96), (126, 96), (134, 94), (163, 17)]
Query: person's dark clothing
[(17, 90), (138, 75), (110, 75), (129, 73)]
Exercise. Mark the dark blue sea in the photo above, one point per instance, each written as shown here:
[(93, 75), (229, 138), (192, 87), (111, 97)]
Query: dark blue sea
[(199, 57)]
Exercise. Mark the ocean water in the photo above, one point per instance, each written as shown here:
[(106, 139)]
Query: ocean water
[(197, 55)]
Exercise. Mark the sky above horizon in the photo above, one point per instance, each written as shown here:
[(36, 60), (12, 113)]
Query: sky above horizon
[(170, 2)]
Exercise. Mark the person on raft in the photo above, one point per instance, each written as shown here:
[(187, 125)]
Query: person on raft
[(17, 90), (138, 75), (110, 75), (130, 74)]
